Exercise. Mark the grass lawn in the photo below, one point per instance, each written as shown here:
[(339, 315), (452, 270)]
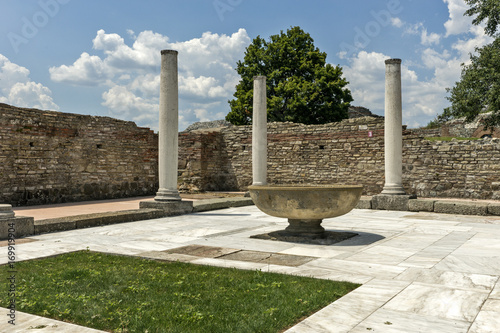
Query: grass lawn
[(127, 294)]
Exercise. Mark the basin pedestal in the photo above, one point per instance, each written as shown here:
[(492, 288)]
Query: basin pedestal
[(305, 228)]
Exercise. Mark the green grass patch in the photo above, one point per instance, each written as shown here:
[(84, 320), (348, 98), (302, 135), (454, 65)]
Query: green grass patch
[(129, 294), (448, 138)]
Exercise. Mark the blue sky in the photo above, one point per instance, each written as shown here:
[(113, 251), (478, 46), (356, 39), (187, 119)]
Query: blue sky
[(102, 57)]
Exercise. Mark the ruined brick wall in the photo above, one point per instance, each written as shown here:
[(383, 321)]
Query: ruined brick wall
[(349, 152), (203, 164), (456, 169), (52, 157), (341, 153)]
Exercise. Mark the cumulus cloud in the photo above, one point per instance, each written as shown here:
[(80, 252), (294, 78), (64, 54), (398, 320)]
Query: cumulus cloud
[(87, 70), (366, 74), (396, 22), (457, 23), (131, 73), (429, 39), (441, 55), (18, 89)]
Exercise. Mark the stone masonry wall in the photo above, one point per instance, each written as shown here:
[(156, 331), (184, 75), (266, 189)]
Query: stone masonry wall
[(343, 153), (52, 157), (456, 169)]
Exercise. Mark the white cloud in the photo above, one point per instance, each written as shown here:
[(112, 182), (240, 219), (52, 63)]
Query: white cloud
[(131, 74), (205, 87), (123, 103), (16, 87), (442, 55), (429, 39), (413, 29), (422, 100), (467, 46), (87, 70), (396, 22), (457, 23)]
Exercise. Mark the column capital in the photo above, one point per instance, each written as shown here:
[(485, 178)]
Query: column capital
[(392, 61), (169, 52)]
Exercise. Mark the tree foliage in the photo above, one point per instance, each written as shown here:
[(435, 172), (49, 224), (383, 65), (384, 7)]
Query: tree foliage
[(488, 10), (479, 87), (301, 87)]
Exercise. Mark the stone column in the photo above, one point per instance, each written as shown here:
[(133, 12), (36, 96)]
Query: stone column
[(393, 129), (259, 131), (168, 198), (168, 130)]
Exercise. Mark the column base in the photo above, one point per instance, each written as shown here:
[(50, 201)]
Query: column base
[(167, 195), (393, 190), (19, 226), (391, 202), (169, 207)]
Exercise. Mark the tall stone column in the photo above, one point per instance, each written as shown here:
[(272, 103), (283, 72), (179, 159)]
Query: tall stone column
[(393, 129), (169, 127), (168, 198), (259, 131)]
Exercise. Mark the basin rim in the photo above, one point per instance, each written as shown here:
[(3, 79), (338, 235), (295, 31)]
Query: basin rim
[(300, 187)]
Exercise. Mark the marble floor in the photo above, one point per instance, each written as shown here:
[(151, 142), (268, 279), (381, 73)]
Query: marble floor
[(420, 272)]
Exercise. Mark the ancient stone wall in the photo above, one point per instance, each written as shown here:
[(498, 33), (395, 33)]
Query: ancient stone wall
[(349, 152), (52, 157), (456, 169)]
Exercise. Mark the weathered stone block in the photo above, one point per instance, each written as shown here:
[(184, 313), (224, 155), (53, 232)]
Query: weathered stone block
[(494, 209), (54, 225), (421, 205), (461, 207), (169, 207), (364, 203), (390, 202), (220, 203), (20, 226), (96, 219)]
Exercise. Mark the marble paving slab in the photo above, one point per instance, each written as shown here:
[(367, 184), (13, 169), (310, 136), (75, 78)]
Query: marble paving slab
[(423, 271), (488, 320), (439, 301)]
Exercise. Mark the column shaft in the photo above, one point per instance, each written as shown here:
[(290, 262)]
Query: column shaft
[(169, 127), (393, 136), (259, 131)]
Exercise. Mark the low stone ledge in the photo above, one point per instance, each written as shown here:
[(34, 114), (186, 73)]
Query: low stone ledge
[(94, 220), (390, 202), (220, 203), (364, 203), (20, 226), (461, 208), (421, 205), (169, 208), (494, 209)]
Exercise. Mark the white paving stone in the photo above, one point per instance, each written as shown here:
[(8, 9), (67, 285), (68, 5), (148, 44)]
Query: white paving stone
[(420, 271)]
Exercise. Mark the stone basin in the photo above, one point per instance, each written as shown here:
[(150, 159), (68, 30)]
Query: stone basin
[(305, 206)]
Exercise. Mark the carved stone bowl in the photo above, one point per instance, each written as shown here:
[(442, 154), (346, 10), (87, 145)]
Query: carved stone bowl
[(305, 206)]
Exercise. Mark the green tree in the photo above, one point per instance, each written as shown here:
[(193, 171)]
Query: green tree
[(301, 87), (488, 10), (479, 87)]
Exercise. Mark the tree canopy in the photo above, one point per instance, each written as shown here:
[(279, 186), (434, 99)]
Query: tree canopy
[(301, 87), (479, 87), (488, 10)]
